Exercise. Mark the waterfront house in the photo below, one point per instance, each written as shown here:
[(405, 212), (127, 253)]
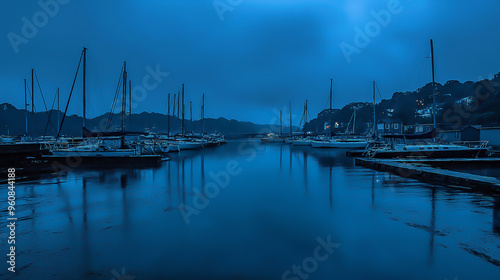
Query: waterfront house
[(389, 127), (492, 135), (418, 128), (466, 133)]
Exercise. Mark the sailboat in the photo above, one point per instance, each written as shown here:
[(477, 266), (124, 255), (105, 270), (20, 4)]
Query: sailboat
[(303, 140), (273, 137), (426, 149), (98, 149), (345, 143)]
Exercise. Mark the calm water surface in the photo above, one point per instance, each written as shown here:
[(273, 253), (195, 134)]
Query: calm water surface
[(262, 213)]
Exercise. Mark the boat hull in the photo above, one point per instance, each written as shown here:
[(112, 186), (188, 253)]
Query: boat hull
[(340, 144), (190, 146), (271, 140), (13, 154), (301, 143)]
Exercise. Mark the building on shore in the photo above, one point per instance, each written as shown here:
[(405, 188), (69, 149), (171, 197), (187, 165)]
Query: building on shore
[(389, 127), (466, 133), (492, 135)]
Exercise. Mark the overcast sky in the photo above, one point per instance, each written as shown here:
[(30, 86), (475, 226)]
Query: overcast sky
[(249, 57)]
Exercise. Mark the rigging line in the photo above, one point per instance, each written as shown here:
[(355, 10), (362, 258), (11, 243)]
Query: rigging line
[(69, 98), (29, 94), (113, 105), (48, 121), (41, 93), (414, 69), (378, 90), (300, 123), (165, 107), (43, 98), (327, 103)]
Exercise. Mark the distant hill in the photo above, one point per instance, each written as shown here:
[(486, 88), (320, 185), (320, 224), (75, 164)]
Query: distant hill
[(469, 103), (12, 120)]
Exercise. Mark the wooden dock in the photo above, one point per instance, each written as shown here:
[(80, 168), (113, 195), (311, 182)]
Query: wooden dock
[(490, 161), (415, 169)]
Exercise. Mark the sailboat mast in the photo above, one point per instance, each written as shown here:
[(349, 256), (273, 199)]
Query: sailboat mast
[(25, 107), (203, 115), (124, 96), (84, 84), (281, 124), (331, 105), (32, 91), (183, 110), (433, 85), (374, 120), (129, 105), (58, 112), (173, 106), (191, 111), (168, 115), (305, 118), (290, 105), (354, 122)]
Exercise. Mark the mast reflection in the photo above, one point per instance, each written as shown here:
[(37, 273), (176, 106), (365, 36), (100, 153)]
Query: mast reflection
[(496, 215)]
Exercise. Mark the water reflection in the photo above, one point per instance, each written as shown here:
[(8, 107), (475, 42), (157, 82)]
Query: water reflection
[(432, 230), (496, 215), (257, 226)]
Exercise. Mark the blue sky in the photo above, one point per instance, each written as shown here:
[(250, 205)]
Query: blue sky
[(252, 57)]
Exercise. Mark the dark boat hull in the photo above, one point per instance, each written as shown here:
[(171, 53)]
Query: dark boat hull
[(469, 153), (16, 154)]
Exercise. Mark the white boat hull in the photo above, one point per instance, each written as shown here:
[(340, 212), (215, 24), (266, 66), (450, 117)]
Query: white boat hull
[(190, 145), (301, 143), (340, 144)]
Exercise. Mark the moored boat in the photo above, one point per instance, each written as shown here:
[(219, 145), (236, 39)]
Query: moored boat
[(341, 143), (272, 138), (301, 142), (429, 151)]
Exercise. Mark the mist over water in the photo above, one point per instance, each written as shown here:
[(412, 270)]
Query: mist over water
[(97, 224)]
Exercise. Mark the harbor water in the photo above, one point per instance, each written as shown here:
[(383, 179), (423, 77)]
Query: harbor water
[(250, 211)]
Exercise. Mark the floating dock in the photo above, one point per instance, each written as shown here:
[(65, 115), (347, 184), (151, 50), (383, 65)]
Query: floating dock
[(486, 162), (418, 169)]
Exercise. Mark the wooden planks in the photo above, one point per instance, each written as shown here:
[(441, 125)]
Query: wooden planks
[(416, 170)]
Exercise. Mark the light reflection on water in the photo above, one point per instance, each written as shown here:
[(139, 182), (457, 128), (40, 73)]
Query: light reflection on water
[(268, 218)]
